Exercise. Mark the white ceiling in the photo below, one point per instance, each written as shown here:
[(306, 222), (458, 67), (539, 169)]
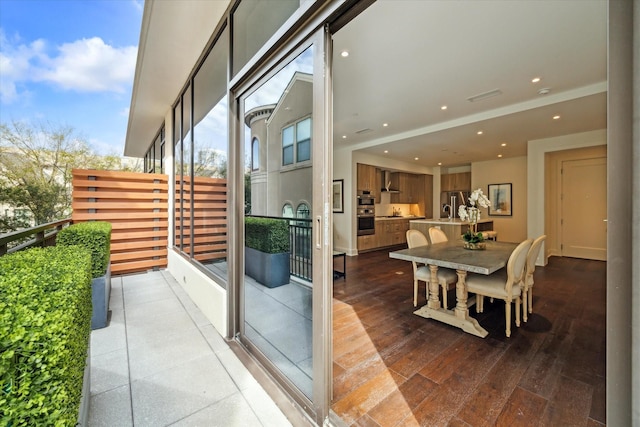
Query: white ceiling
[(408, 58)]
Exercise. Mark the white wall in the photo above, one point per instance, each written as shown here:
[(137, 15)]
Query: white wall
[(210, 297), (503, 171), (536, 150), (345, 167)]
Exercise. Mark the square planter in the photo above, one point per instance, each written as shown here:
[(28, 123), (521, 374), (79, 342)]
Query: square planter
[(100, 293), (271, 270)]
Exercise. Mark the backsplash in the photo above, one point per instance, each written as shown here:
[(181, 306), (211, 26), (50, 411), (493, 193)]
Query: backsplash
[(385, 207)]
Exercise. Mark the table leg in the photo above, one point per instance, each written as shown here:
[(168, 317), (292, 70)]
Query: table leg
[(434, 289), (462, 309), (459, 317)]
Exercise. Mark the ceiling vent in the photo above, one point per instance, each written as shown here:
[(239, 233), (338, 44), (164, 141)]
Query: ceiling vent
[(485, 95), (362, 131)]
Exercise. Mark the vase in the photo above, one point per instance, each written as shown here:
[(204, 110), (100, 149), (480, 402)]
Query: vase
[(477, 246)]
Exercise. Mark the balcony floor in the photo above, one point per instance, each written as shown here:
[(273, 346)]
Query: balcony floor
[(160, 362)]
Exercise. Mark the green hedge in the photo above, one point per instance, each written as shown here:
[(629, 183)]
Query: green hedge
[(45, 322), (268, 235), (95, 236)]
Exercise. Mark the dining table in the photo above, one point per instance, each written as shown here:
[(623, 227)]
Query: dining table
[(454, 255)]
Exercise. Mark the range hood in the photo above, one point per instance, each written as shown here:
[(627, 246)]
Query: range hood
[(386, 183)]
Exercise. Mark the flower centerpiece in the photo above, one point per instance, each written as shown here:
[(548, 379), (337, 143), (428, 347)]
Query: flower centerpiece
[(472, 238)]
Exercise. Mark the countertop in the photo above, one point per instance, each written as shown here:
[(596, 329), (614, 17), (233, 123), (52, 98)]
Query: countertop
[(446, 221), (409, 217)]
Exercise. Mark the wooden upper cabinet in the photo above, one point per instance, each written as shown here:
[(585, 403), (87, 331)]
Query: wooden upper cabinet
[(411, 186), (369, 180), (455, 181)]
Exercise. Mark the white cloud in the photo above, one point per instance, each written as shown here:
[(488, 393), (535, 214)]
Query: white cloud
[(15, 64), (90, 65), (86, 65)]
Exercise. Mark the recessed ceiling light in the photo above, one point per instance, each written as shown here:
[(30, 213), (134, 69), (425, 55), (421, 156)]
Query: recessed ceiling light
[(504, 144), (479, 132), (344, 53), (444, 107), (439, 163), (535, 80), (499, 155), (385, 124), (386, 151), (556, 117), (344, 136), (416, 158)]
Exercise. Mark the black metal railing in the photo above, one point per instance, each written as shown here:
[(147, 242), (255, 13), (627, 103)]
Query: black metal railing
[(300, 246), (40, 235)]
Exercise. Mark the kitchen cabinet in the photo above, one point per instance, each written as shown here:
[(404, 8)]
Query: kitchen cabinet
[(455, 181), (367, 243), (369, 180), (389, 232), (411, 186)]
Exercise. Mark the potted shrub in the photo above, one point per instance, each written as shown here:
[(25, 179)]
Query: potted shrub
[(96, 237), (267, 257), (45, 326)]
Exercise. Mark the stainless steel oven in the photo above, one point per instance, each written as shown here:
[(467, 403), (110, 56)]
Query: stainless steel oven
[(366, 200), (366, 225), (366, 214)]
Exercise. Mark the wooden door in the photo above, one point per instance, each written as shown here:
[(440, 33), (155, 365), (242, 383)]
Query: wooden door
[(584, 209)]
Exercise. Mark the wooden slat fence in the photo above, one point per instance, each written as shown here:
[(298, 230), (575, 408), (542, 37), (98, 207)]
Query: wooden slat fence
[(136, 205), (209, 219)]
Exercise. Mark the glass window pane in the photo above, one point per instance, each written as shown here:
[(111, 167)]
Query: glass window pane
[(177, 156), (254, 22), (287, 155), (186, 174), (210, 161), (304, 150), (287, 136), (286, 338), (303, 130), (255, 154)]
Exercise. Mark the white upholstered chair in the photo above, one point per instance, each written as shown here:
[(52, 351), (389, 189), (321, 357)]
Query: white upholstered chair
[(446, 278), (437, 235), (527, 292), (504, 284)]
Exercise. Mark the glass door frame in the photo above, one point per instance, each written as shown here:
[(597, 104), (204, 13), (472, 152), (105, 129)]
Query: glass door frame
[(322, 241)]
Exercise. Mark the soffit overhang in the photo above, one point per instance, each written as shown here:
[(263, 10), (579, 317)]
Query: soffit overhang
[(173, 36)]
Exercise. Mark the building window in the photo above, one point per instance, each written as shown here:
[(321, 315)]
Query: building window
[(255, 154), (298, 134), (303, 140), (287, 145), (287, 211), (303, 211)]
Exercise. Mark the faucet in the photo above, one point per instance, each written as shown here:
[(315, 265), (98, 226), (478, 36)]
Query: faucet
[(447, 208)]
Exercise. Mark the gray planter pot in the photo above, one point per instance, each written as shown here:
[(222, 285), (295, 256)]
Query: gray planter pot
[(83, 411), (271, 270), (100, 293)]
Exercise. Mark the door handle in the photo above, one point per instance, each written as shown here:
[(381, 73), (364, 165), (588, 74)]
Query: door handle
[(318, 232)]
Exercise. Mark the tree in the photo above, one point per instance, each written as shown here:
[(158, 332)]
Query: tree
[(36, 163)]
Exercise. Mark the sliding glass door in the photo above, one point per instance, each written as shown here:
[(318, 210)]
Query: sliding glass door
[(286, 242)]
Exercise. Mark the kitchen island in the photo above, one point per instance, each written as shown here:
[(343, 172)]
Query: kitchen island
[(453, 228)]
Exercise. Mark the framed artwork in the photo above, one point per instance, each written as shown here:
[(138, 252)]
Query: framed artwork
[(338, 196), (500, 197)]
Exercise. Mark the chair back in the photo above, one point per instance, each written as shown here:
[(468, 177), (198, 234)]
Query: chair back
[(415, 238), (532, 255), (437, 235), (516, 264)]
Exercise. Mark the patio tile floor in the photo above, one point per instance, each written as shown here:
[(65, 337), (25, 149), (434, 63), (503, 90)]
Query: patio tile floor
[(159, 362)]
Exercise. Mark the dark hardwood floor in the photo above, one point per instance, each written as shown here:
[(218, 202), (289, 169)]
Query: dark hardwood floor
[(393, 368)]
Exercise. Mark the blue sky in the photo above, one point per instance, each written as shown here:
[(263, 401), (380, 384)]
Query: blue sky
[(70, 62)]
